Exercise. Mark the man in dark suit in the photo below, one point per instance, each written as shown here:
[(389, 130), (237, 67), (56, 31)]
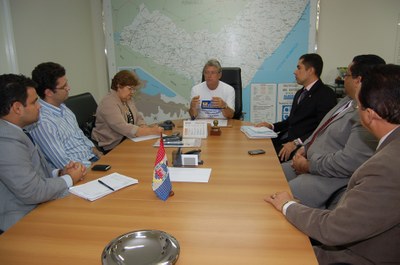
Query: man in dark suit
[(364, 228), (310, 104), (26, 179)]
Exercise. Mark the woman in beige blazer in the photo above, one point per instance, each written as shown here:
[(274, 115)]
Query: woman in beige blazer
[(117, 117)]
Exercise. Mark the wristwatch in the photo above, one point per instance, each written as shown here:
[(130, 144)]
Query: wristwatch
[(296, 142)]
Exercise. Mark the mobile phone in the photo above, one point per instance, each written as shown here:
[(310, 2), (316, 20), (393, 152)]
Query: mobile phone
[(101, 167), (256, 152)]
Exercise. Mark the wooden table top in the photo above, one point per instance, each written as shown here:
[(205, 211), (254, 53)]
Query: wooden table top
[(224, 221)]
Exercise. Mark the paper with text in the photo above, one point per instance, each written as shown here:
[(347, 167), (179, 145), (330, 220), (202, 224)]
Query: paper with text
[(189, 174), (195, 129)]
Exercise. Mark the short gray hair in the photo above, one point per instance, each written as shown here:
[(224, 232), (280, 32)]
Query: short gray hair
[(213, 62)]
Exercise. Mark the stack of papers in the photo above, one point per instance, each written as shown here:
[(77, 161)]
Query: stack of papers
[(94, 190), (258, 132)]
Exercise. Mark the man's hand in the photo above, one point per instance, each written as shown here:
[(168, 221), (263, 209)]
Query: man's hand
[(287, 149), (300, 164), (264, 124), (195, 102), (301, 151), (278, 199), (218, 102), (76, 170)]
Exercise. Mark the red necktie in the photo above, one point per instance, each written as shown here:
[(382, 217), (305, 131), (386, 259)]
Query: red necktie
[(326, 123), (323, 126)]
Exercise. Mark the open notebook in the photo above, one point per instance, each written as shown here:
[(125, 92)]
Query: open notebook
[(103, 186)]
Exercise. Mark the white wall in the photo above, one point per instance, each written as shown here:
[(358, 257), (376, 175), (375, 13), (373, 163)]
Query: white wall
[(8, 60), (68, 32), (352, 27)]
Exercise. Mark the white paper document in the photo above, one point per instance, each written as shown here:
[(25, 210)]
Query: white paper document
[(186, 174), (94, 190), (195, 129), (253, 132), (144, 138)]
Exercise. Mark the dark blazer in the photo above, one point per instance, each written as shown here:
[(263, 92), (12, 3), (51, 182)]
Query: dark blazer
[(365, 225), (305, 116)]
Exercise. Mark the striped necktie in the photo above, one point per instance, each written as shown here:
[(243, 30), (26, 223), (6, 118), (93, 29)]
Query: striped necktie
[(327, 122), (302, 95)]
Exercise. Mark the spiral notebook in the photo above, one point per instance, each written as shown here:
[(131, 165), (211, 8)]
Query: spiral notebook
[(103, 186)]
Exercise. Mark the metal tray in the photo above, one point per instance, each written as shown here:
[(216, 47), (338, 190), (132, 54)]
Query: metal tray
[(142, 247)]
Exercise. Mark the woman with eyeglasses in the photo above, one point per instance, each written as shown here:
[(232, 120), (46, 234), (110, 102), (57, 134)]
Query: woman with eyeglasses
[(117, 117)]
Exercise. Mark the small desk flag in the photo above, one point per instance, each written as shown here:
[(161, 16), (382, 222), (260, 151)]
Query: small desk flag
[(161, 181)]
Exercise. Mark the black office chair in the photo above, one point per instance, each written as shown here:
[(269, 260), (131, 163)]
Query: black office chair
[(84, 107), (233, 76)]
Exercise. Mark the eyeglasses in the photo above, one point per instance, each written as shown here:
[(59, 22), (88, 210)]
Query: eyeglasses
[(133, 89), (64, 87), (347, 74)]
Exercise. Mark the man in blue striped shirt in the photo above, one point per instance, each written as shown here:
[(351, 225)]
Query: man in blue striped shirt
[(57, 131)]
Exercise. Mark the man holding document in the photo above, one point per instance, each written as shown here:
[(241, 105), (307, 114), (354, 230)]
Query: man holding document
[(212, 99)]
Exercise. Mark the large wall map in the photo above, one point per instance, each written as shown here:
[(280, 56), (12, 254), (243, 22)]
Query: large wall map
[(167, 43)]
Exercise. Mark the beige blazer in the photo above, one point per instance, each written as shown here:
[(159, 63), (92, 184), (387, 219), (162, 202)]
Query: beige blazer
[(365, 225), (112, 123)]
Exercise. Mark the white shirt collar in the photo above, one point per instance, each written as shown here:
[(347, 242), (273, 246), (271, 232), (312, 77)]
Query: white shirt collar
[(310, 85), (384, 137)]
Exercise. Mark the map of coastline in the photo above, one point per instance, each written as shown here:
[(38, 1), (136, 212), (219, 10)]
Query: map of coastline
[(169, 56)]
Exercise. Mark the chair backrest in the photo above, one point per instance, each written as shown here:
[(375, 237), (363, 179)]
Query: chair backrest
[(233, 76), (84, 107)]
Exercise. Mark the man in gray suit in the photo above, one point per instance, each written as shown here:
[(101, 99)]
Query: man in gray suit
[(25, 177), (364, 228), (320, 170)]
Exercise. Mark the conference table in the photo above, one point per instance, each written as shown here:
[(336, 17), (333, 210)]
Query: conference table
[(224, 221)]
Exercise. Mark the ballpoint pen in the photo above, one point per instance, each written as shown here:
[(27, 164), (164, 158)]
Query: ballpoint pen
[(105, 185)]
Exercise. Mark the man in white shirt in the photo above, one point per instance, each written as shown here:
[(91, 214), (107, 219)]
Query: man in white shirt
[(212, 99)]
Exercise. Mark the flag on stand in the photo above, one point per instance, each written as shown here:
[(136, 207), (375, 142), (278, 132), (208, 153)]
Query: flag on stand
[(161, 182)]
